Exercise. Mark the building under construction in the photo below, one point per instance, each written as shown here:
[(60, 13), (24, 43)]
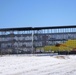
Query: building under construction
[(37, 39)]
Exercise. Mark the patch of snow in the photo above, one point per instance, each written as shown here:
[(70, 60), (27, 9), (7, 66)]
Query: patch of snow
[(38, 65)]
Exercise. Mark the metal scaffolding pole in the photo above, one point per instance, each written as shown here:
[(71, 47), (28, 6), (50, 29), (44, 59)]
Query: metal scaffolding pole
[(32, 42)]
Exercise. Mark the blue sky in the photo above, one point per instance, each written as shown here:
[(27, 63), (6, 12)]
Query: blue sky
[(37, 13)]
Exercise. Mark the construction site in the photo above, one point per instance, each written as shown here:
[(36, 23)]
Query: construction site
[(31, 40)]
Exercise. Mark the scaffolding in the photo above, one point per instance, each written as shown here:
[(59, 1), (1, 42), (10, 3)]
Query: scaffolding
[(31, 40)]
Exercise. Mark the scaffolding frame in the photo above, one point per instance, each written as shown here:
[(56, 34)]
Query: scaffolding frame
[(28, 39)]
